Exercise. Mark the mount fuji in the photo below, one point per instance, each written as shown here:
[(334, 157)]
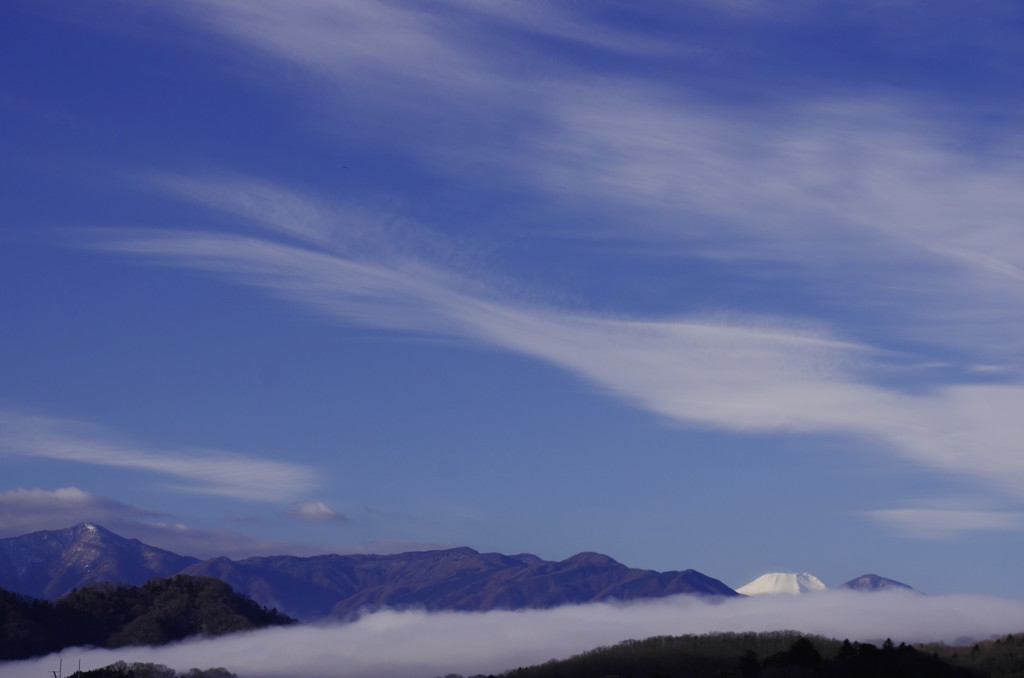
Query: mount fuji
[(795, 583), (791, 583)]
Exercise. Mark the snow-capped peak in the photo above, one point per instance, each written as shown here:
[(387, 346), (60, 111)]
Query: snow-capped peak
[(791, 583)]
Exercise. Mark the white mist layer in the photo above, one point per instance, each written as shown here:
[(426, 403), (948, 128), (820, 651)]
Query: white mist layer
[(421, 645)]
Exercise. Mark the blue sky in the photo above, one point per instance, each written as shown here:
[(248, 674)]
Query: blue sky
[(732, 286)]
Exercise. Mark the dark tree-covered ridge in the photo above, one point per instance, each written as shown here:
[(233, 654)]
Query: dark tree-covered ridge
[(1001, 657), (779, 654), (116, 615), (148, 670)]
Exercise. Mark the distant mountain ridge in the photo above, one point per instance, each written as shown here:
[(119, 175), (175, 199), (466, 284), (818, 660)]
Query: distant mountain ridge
[(50, 564), (453, 579), (796, 583), (872, 582)]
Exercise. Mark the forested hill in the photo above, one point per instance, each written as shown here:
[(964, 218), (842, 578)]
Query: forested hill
[(116, 615), (778, 654)]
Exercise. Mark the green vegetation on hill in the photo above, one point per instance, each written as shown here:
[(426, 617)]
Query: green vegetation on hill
[(115, 615)]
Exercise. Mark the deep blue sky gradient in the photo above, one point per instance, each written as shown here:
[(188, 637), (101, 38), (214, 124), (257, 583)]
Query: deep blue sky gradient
[(556, 199)]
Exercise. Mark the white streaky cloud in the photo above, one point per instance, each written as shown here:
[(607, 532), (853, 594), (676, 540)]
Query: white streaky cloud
[(870, 192), (552, 20), (204, 543), (789, 176), (808, 173), (877, 184), (739, 374), (934, 523), (316, 511), (23, 511), (194, 470), (400, 48), (417, 644), (395, 47), (30, 510), (983, 261), (878, 180), (262, 203), (303, 219), (207, 543)]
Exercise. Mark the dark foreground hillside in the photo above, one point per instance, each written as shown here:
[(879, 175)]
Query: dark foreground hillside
[(149, 670), (1001, 657), (781, 654), (114, 615)]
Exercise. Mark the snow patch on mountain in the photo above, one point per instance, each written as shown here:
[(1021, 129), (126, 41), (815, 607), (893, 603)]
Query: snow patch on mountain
[(791, 583)]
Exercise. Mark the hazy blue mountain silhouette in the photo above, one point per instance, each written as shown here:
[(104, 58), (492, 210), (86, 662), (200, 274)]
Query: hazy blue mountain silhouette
[(50, 564), (452, 579), (873, 582)]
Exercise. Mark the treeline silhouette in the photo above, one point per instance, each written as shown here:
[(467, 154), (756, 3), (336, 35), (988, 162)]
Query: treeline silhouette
[(117, 615), (777, 654), (148, 670), (1002, 657)]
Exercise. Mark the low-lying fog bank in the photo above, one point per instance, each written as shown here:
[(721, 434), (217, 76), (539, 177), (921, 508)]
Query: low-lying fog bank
[(416, 644)]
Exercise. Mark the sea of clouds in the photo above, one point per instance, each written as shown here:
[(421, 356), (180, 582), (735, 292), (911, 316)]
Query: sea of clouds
[(417, 644)]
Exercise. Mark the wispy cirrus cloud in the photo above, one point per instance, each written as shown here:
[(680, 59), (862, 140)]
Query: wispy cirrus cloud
[(24, 510), (736, 373), (402, 42), (797, 174), (212, 543), (870, 197), (31, 510), (194, 470), (942, 523), (872, 192)]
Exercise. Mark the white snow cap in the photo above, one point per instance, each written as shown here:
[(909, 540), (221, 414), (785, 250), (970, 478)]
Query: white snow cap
[(791, 583)]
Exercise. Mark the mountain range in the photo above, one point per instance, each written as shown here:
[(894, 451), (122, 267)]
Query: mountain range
[(796, 583), (49, 564)]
